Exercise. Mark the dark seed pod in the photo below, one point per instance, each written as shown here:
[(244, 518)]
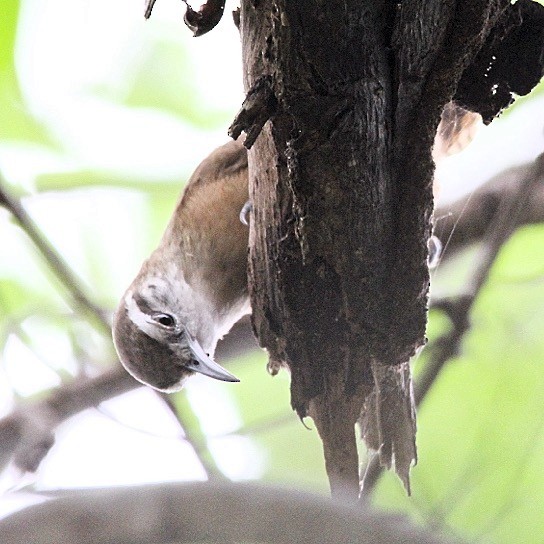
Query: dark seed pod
[(202, 21)]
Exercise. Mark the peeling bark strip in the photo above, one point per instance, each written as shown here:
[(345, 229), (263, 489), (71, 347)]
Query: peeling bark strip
[(258, 107), (341, 185), (511, 62)]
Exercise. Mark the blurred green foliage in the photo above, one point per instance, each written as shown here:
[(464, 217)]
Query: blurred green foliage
[(481, 428), (17, 124)]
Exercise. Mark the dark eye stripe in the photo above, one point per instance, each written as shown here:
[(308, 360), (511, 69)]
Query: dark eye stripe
[(142, 304)]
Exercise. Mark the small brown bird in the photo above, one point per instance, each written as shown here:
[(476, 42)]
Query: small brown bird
[(193, 288)]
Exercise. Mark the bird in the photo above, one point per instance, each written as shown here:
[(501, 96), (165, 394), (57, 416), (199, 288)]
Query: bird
[(193, 287)]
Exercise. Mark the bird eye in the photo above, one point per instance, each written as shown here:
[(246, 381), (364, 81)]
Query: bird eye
[(165, 320)]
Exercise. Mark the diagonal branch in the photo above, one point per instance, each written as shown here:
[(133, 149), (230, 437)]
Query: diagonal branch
[(26, 434), (466, 220), (57, 264)]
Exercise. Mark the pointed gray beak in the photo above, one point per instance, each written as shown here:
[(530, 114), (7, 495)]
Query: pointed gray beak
[(203, 364)]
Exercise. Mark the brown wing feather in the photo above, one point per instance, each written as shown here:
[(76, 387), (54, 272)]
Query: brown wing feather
[(228, 160)]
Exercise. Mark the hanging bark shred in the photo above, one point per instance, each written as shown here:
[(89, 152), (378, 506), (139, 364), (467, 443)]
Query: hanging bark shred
[(510, 63), (236, 18), (258, 107)]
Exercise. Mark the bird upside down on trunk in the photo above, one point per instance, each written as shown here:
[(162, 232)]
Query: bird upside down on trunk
[(193, 288)]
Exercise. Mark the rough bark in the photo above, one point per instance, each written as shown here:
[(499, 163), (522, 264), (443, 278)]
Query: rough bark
[(341, 184)]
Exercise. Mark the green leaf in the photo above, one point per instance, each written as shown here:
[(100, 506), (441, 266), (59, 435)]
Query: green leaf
[(17, 122), (62, 181)]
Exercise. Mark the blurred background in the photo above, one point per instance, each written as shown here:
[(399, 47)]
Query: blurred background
[(103, 117)]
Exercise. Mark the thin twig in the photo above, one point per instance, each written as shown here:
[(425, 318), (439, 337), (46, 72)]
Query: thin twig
[(57, 264), (149, 8), (196, 440), (458, 309)]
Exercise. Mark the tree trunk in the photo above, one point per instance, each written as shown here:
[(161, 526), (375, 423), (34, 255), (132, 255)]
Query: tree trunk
[(341, 185)]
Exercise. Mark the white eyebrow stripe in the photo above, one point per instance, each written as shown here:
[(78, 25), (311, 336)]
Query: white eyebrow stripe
[(141, 319)]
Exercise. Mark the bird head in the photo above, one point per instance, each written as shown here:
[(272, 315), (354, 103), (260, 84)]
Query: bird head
[(154, 338), (193, 287)]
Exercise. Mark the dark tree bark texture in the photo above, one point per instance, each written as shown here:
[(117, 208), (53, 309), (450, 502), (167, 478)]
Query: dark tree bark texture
[(341, 185)]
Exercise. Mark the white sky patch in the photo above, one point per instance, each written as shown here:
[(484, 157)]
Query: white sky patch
[(69, 220), (21, 162), (13, 502), (26, 373), (60, 83), (213, 405), (238, 457), (92, 450), (155, 420), (6, 392), (51, 343)]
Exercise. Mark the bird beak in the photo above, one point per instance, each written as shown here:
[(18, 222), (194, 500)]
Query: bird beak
[(204, 364)]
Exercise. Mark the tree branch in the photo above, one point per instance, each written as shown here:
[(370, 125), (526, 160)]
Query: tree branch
[(27, 433), (466, 221), (198, 512)]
